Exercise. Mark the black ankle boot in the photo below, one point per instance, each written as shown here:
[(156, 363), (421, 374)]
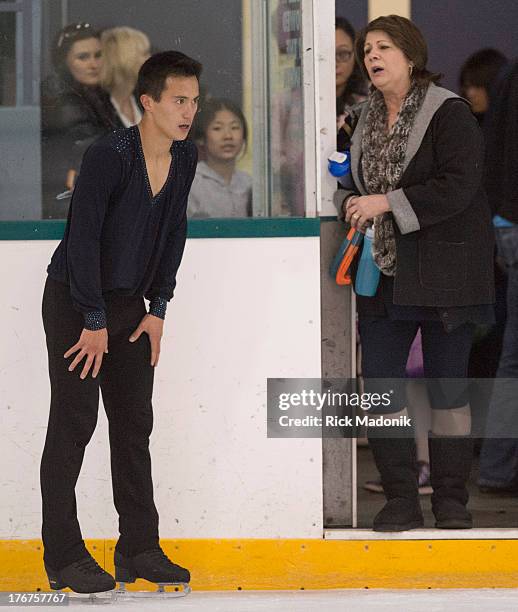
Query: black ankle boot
[(152, 565), (396, 461), (83, 576), (450, 466)]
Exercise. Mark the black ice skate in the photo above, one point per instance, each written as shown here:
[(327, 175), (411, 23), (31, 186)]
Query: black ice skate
[(84, 576), (153, 566)]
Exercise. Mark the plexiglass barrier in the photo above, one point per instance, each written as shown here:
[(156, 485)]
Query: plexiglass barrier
[(68, 74)]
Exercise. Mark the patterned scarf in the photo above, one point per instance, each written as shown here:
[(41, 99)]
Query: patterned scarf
[(383, 155)]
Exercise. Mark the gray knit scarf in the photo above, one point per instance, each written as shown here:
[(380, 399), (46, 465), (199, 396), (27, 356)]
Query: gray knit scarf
[(383, 155)]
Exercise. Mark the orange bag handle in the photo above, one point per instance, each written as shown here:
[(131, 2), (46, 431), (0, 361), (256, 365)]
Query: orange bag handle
[(343, 276)]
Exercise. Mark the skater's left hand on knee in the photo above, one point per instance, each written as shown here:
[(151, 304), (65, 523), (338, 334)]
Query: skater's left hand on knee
[(153, 327)]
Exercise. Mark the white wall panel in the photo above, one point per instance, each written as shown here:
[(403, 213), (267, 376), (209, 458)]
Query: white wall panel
[(245, 309)]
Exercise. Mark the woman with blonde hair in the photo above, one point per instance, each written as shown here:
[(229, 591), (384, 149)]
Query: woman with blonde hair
[(124, 51)]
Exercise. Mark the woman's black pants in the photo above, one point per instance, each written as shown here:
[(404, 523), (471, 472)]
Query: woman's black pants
[(126, 383), (385, 347)]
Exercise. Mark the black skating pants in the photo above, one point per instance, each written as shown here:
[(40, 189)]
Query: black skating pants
[(126, 383)]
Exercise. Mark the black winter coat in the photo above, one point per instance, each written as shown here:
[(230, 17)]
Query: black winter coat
[(501, 132), (442, 220), (72, 117)]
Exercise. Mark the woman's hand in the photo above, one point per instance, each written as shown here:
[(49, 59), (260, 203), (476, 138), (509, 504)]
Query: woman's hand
[(92, 345), (361, 209), (154, 327)]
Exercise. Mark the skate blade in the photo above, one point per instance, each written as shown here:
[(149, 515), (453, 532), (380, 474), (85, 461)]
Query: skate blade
[(104, 597), (165, 590)]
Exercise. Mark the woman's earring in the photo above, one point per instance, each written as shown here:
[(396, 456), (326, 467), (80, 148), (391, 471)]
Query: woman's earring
[(411, 68)]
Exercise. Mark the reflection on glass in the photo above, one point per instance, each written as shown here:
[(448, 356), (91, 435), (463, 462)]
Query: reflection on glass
[(83, 98), (88, 90), (7, 59), (286, 113)]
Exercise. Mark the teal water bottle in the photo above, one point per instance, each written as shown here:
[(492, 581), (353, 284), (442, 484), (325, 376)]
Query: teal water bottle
[(368, 275)]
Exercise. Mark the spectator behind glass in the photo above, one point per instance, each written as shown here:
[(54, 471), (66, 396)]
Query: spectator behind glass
[(219, 189), (477, 77), (74, 112), (478, 81), (124, 52), (350, 83), (499, 456)]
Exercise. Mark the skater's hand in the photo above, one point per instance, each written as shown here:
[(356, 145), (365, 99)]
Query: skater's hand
[(93, 345), (154, 328)]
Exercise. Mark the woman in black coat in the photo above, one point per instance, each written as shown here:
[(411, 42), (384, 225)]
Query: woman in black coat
[(416, 159), (75, 111)]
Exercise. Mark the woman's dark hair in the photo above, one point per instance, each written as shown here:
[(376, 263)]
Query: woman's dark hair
[(481, 69), (155, 71), (341, 23), (63, 42), (208, 111), (407, 37), (356, 82)]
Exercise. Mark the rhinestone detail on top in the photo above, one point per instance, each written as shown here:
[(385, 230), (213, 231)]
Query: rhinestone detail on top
[(157, 307), (95, 320)]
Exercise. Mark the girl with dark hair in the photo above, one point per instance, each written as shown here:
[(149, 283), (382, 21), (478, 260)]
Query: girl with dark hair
[(350, 84), (219, 188), (75, 111)]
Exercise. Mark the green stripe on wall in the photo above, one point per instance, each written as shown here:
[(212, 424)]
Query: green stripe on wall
[(198, 228), (31, 230)]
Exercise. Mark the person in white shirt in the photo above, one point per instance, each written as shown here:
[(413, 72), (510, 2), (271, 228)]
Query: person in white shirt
[(124, 51), (219, 188)]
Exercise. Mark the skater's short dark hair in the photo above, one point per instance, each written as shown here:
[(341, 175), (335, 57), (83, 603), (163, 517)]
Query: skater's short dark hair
[(159, 67)]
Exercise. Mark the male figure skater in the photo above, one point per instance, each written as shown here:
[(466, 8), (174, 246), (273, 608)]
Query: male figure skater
[(123, 241)]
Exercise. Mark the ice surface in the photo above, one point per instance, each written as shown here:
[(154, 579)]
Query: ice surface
[(487, 600)]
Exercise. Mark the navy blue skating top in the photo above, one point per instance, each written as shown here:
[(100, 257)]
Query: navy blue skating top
[(118, 237)]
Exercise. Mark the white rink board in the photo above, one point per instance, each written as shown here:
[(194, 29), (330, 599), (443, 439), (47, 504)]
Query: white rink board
[(244, 310)]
